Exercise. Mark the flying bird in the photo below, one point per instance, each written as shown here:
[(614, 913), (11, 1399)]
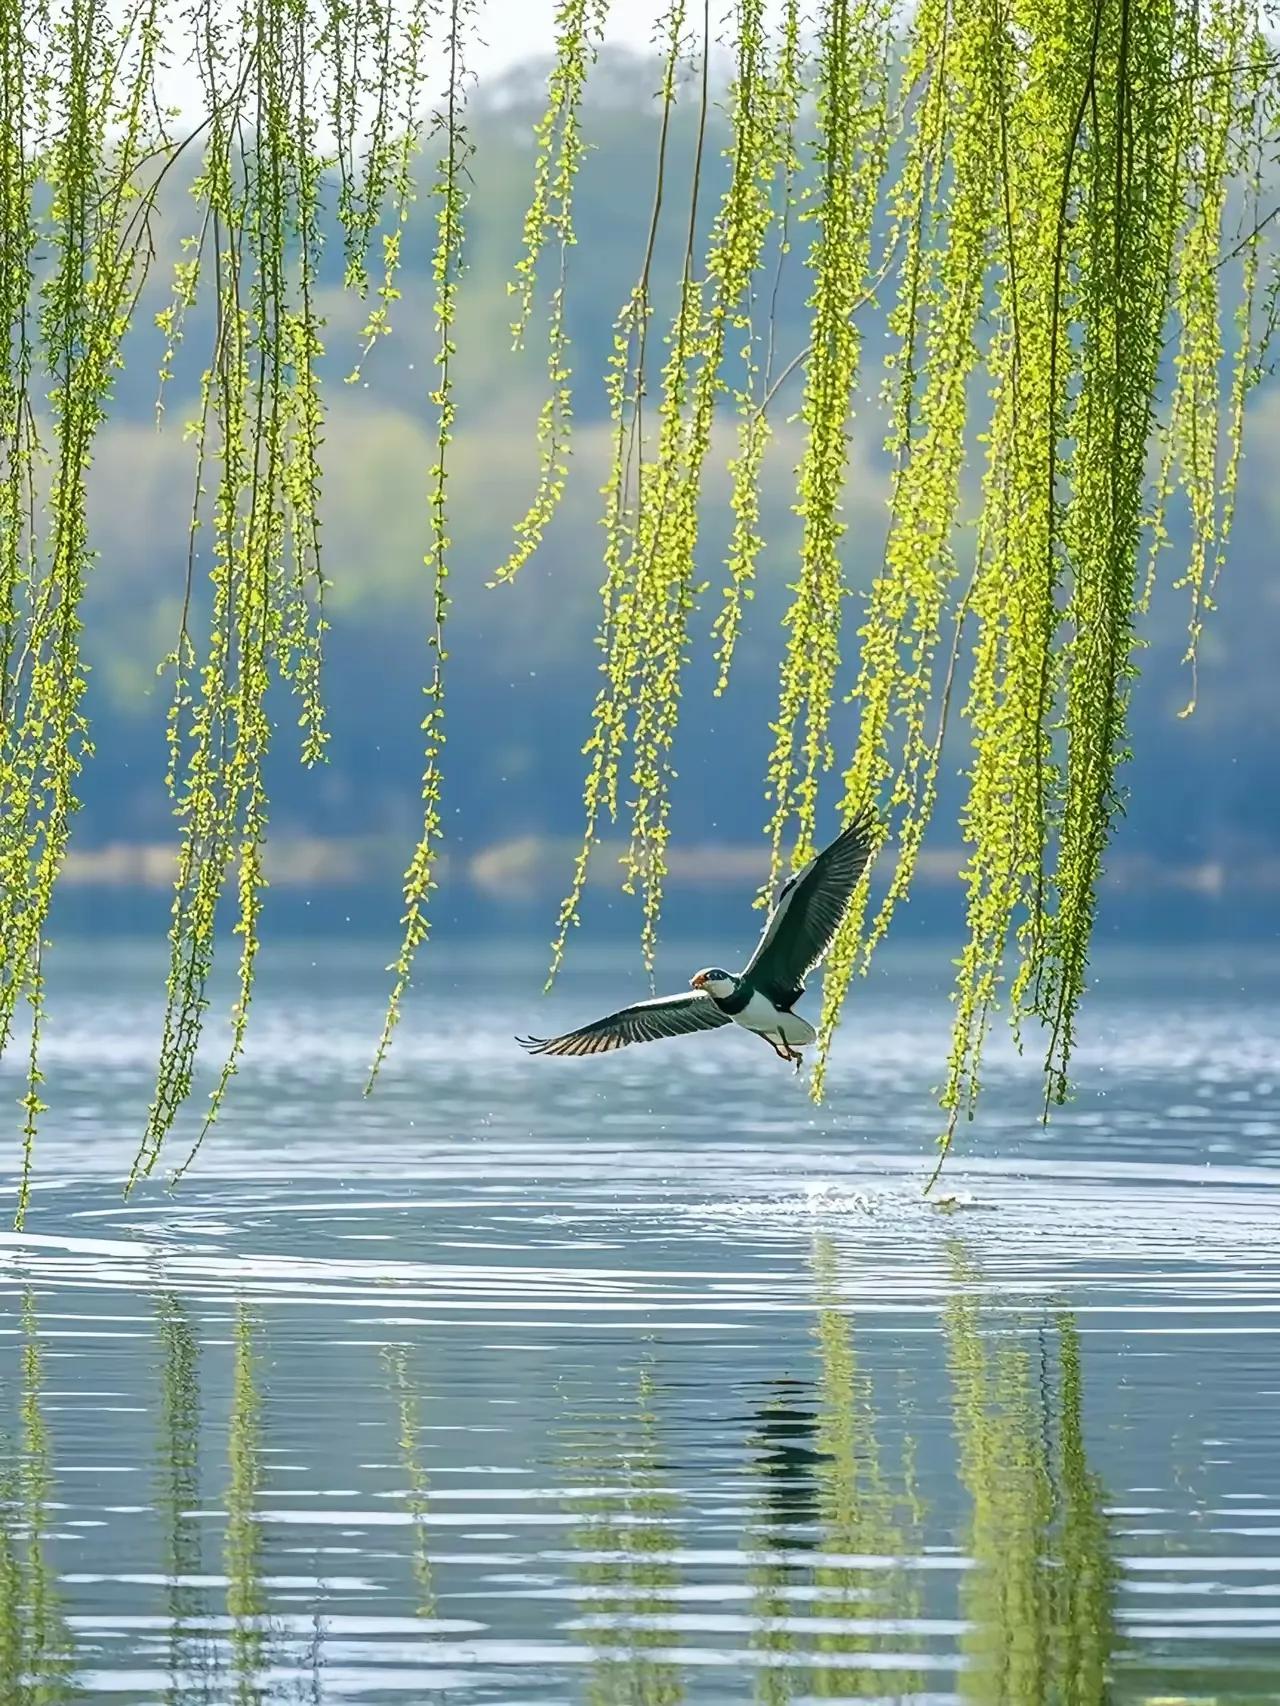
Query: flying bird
[(810, 908)]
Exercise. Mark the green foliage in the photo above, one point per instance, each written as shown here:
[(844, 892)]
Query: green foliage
[(852, 65), (764, 116), (952, 76), (654, 498), (1066, 203), (257, 441), (624, 624), (60, 91)]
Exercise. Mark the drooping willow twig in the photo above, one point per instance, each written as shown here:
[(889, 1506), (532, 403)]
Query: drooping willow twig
[(549, 220), (450, 198), (625, 381)]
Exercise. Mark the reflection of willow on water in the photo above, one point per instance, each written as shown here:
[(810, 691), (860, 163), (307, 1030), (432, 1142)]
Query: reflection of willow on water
[(197, 1665), (191, 1661), (408, 1424), (824, 1485), (869, 1511), (218, 1657), (242, 1547), (624, 1540), (834, 1523), (1038, 1597), (35, 1645)]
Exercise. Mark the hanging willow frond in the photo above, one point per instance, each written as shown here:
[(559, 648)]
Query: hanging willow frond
[(667, 534), (954, 75), (97, 234), (1013, 776), (1222, 132), (652, 588), (852, 74), (1128, 196), (623, 492), (388, 181), (259, 428)]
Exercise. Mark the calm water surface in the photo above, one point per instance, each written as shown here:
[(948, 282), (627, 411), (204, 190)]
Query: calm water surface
[(641, 1379)]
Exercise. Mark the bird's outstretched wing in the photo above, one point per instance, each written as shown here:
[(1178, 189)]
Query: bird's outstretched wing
[(807, 913), (666, 1016)]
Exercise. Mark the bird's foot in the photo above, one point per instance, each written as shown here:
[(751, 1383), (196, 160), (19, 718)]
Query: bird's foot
[(784, 1051)]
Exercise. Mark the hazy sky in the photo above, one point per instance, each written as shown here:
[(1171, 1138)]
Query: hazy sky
[(517, 29), (505, 32)]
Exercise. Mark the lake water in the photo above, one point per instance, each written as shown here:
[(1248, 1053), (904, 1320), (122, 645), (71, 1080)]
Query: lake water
[(641, 1379)]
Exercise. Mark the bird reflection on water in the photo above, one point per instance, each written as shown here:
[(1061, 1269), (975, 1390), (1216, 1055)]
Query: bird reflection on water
[(784, 1454)]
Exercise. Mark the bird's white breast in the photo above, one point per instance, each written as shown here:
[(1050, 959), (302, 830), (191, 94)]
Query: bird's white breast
[(762, 1016)]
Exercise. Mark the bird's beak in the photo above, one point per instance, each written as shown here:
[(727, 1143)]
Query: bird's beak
[(698, 982)]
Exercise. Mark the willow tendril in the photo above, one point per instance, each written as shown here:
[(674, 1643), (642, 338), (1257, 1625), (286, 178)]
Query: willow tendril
[(261, 405), (764, 114), (1055, 220), (82, 307), (1124, 285), (625, 379), (692, 385), (1013, 595), (935, 322), (549, 220), (450, 198), (389, 173), (852, 62), (1225, 136), (662, 566)]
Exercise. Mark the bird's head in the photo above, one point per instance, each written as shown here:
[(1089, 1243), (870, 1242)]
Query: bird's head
[(719, 983)]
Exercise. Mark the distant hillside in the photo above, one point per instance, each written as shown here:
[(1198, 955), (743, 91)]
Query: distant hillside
[(1203, 790)]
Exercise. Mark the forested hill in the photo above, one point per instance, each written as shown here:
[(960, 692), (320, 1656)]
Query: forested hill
[(1204, 806)]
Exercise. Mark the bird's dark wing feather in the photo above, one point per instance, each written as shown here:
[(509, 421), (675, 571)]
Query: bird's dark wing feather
[(807, 913), (666, 1016)]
